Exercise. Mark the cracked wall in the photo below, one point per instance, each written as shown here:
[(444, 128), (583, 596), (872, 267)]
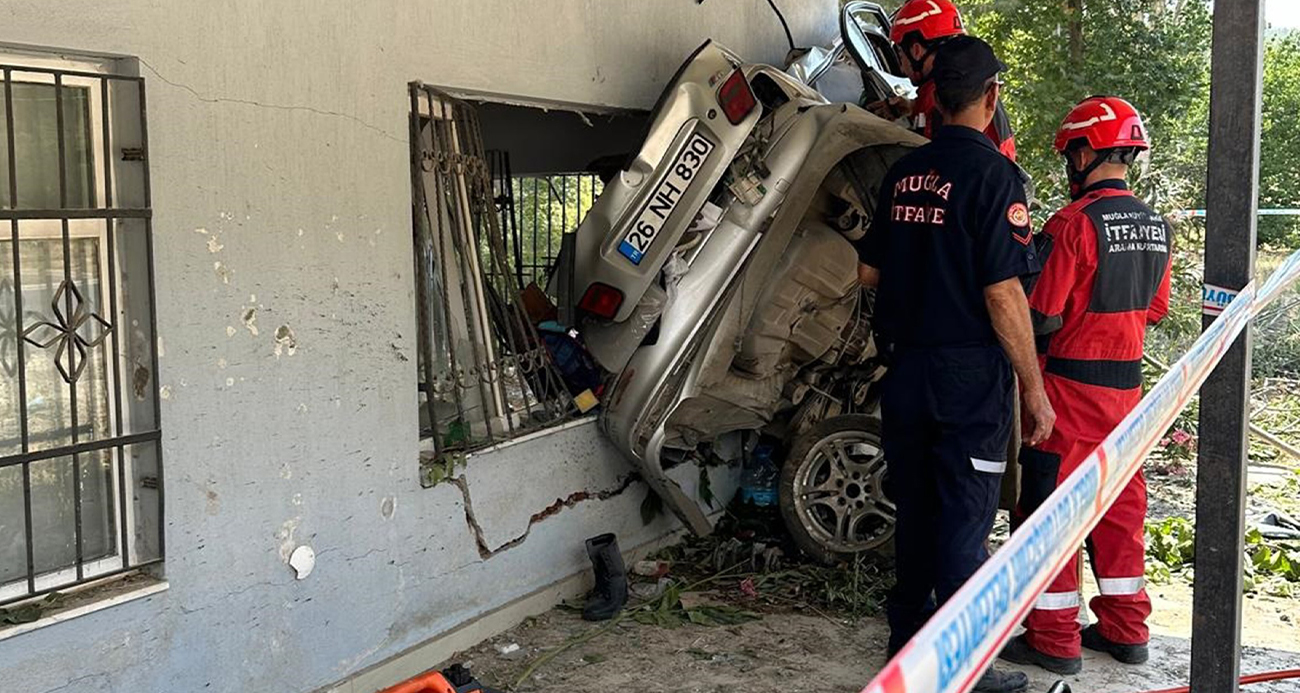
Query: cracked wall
[(283, 263), (486, 549)]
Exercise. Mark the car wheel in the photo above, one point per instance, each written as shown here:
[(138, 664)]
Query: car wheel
[(832, 493)]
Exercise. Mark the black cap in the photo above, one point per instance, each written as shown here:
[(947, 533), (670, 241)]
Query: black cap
[(965, 61)]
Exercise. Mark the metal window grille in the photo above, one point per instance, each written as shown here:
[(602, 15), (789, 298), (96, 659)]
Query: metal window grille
[(81, 493), (536, 211), (486, 373)]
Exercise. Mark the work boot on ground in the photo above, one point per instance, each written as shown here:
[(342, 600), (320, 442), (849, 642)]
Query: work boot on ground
[(1128, 654), (1019, 651), (610, 593), (998, 681)]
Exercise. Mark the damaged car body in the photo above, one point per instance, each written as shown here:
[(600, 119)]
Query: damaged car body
[(716, 281)]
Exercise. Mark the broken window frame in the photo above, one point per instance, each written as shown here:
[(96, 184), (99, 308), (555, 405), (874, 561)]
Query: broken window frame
[(109, 323), (485, 377)]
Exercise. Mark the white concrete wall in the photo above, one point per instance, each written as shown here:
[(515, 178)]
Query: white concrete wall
[(280, 127)]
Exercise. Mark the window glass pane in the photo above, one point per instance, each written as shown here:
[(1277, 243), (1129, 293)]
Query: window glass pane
[(6, 200), (10, 402), (49, 402), (143, 466), (36, 145), (133, 331), (51, 354), (54, 352), (91, 311), (545, 208), (54, 514), (13, 540)]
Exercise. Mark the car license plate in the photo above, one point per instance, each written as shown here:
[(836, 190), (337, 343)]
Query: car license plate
[(655, 214)]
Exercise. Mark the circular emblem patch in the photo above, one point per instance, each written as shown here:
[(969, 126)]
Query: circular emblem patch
[(1018, 215)]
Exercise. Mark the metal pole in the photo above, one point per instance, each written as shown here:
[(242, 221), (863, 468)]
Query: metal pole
[(1232, 201)]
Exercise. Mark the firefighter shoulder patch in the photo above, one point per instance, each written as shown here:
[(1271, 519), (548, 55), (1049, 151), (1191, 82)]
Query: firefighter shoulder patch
[(1018, 215)]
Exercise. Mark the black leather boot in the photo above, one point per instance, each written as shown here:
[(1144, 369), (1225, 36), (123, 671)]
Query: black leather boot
[(610, 593), (1128, 654), (999, 681), (1019, 651)]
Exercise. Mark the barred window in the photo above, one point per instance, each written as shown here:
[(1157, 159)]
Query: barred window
[(489, 359), (80, 463)]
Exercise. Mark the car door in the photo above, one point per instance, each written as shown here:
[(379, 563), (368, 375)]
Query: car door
[(864, 29)]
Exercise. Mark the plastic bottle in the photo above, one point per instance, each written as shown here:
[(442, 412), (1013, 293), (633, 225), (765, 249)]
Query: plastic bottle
[(759, 476)]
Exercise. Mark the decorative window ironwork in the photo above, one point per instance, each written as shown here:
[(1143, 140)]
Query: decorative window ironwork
[(80, 459), (67, 333), (486, 374)]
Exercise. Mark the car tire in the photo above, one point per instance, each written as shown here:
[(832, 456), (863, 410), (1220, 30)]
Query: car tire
[(834, 469)]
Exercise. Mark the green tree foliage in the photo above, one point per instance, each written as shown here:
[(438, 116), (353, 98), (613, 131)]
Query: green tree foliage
[(1153, 52), (1156, 53), (546, 208), (1279, 171)]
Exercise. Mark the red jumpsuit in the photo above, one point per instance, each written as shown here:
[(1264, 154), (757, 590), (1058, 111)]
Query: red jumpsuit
[(927, 121), (1105, 279)]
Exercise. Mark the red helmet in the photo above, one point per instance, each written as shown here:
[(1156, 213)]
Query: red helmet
[(934, 19), (1106, 122)]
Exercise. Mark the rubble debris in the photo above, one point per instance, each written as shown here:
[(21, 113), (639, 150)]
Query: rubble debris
[(511, 651), (651, 569), (645, 591)]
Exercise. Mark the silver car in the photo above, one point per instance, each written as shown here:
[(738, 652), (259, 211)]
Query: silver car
[(716, 281)]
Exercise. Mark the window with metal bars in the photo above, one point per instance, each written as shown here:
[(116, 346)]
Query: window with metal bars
[(489, 369), (80, 458)]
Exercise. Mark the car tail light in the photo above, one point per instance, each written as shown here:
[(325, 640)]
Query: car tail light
[(601, 300), (736, 98)]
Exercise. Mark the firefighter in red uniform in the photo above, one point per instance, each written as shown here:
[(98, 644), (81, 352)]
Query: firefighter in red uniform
[(1105, 278), (919, 28)]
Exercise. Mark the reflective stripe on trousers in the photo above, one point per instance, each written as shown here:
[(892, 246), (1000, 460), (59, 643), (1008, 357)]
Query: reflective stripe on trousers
[(1121, 586), (988, 466), (1055, 601)]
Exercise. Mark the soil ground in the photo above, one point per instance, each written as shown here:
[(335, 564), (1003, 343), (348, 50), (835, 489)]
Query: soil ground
[(793, 647), (790, 652)]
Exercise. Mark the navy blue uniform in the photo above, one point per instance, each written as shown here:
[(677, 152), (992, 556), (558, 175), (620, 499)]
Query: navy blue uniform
[(952, 219)]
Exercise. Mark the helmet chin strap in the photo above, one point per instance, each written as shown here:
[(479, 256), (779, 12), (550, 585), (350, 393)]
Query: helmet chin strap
[(1079, 177), (918, 64)]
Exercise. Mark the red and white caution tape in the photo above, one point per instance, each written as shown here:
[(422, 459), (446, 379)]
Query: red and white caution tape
[(959, 642)]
